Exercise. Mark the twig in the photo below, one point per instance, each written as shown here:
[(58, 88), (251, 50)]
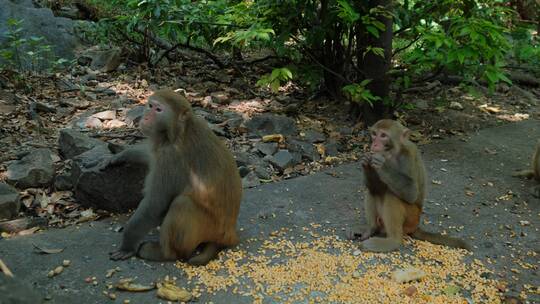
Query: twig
[(34, 115), (167, 46), (320, 64), (5, 269), (407, 46), (262, 59)]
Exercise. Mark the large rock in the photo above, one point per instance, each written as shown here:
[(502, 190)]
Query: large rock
[(72, 143), (9, 201), (57, 31), (34, 170), (115, 188), (266, 124)]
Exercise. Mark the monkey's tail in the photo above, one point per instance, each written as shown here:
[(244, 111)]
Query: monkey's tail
[(439, 239), (524, 173)]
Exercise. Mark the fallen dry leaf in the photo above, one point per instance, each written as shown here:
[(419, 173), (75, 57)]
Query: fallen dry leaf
[(273, 138), (44, 250), (170, 292), (128, 285)]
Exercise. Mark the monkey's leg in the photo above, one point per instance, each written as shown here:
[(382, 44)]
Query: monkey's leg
[(171, 233), (393, 216), (370, 210), (208, 253), (152, 251)]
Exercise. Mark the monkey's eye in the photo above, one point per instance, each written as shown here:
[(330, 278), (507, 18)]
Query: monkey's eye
[(150, 105), (159, 109)]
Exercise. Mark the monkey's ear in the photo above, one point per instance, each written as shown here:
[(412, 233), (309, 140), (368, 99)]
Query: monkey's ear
[(405, 135)]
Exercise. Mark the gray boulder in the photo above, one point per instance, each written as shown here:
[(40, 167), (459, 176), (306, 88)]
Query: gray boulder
[(9, 201), (57, 31), (266, 124), (114, 188), (34, 170), (72, 143)]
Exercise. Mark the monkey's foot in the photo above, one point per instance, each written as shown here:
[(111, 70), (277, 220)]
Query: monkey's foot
[(121, 255), (152, 251), (378, 244), (208, 253), (352, 235)]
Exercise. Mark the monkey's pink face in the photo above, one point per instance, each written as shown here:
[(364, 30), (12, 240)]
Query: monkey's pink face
[(380, 141), (155, 117)]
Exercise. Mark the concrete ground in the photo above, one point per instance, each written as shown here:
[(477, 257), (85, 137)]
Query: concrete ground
[(469, 185)]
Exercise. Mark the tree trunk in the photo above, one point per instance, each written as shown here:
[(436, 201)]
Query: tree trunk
[(375, 67)]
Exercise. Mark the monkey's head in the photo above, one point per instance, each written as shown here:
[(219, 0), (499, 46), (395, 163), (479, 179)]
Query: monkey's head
[(166, 113), (387, 135)]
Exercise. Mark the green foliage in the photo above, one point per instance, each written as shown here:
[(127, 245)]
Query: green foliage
[(526, 48), (461, 37), (358, 92), (276, 78), (30, 54)]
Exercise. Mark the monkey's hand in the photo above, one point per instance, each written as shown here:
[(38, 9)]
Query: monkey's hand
[(377, 160), (115, 160), (366, 160), (121, 254)]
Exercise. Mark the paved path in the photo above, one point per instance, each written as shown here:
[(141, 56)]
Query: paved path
[(476, 191)]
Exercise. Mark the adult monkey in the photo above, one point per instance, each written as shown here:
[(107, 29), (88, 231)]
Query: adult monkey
[(395, 178), (534, 171), (193, 188)]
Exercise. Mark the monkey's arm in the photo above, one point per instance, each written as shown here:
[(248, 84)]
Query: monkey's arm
[(148, 215), (400, 179), (134, 154)]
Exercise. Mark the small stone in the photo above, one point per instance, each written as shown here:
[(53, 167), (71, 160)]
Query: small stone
[(356, 252), (9, 201), (314, 136), (267, 148), (134, 115), (250, 180), (115, 123), (243, 171), (66, 263), (454, 105), (282, 159), (105, 115)]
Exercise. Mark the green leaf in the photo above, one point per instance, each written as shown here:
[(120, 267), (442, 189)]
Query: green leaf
[(373, 30)]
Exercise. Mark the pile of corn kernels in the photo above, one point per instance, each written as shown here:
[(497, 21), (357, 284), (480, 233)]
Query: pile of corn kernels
[(326, 269)]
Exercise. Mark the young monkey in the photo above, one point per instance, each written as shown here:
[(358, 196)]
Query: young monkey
[(534, 171), (395, 179)]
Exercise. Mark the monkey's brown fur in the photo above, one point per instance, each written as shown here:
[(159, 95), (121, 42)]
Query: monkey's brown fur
[(193, 188), (395, 179), (534, 171)]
